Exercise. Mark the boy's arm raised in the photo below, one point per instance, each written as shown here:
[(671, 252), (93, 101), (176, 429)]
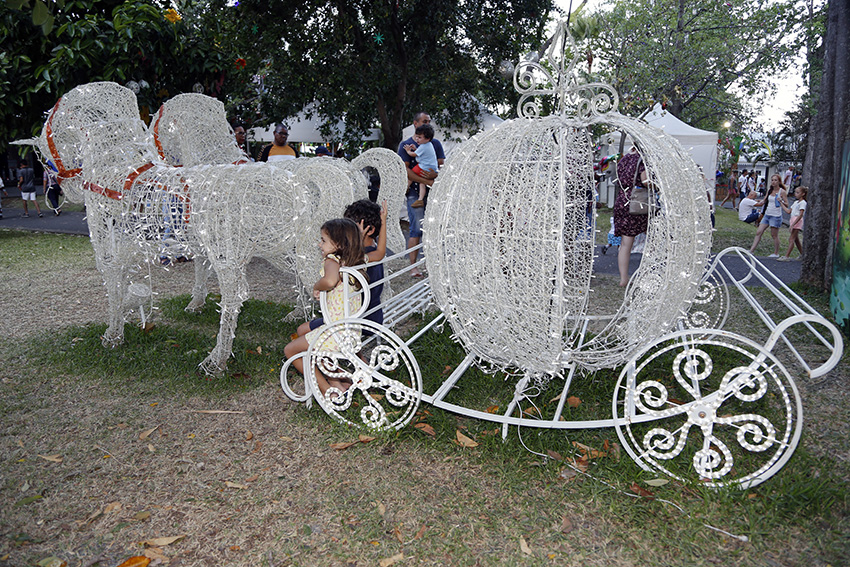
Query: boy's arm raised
[(378, 255)]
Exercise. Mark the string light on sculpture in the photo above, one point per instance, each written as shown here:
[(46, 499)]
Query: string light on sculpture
[(511, 221), (141, 205)]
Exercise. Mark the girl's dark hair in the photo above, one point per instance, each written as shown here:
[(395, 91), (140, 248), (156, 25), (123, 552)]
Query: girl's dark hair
[(345, 234)]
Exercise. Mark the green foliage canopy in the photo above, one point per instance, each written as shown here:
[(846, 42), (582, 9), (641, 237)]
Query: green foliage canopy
[(101, 40), (694, 55), (368, 61)]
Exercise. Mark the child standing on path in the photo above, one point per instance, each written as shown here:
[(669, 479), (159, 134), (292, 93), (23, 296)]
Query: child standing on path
[(341, 245), (426, 158), (796, 211)]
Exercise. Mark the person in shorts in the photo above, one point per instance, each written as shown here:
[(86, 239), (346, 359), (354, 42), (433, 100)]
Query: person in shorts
[(27, 187)]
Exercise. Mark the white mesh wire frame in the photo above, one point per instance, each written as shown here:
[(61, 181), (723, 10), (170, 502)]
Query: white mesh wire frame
[(192, 129), (510, 229), (136, 202)]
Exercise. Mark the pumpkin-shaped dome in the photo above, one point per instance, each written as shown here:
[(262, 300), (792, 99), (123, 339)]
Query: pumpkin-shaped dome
[(509, 234)]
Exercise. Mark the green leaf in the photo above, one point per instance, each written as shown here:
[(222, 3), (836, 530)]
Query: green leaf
[(39, 13), (47, 26), (15, 4)]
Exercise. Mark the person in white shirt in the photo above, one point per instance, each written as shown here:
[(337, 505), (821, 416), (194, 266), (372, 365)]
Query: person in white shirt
[(748, 207)]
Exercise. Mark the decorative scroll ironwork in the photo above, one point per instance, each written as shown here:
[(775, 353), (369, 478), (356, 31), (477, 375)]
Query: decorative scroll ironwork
[(557, 76), (736, 408)]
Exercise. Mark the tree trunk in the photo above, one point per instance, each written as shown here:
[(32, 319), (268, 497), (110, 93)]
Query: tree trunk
[(827, 132)]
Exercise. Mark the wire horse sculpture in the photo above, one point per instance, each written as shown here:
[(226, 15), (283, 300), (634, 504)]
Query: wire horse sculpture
[(183, 187)]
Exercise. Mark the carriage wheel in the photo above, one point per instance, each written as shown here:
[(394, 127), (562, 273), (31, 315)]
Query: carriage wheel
[(721, 410), (386, 383)]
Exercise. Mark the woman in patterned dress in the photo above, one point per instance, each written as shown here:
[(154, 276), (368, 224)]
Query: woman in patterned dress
[(630, 169)]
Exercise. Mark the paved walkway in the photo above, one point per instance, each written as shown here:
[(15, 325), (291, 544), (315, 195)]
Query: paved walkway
[(75, 223)]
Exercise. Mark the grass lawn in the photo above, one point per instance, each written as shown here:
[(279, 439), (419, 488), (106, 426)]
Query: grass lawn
[(106, 450)]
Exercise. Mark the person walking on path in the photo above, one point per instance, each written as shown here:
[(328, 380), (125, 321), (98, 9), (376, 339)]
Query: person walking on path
[(631, 172), (25, 184), (776, 199), (731, 189), (796, 211), (52, 191)]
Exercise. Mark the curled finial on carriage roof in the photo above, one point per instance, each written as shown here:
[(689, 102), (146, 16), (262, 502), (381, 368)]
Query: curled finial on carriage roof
[(558, 77)]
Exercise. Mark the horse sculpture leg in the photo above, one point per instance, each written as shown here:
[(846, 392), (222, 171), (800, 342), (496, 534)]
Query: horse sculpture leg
[(113, 255), (203, 269), (234, 292)]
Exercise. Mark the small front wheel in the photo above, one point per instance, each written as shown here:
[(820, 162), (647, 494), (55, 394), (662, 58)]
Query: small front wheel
[(381, 380)]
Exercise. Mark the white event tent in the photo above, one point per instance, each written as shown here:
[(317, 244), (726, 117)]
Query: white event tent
[(701, 144), (305, 130)]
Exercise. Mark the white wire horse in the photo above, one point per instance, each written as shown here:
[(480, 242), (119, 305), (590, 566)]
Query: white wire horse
[(227, 212)]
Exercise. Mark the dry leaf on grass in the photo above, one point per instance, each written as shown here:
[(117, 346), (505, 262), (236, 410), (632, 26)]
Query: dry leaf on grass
[(493, 409), (523, 546), (365, 438), (252, 478), (111, 507), (248, 435), (426, 429), (573, 402), (567, 474), (162, 541), (397, 534), (342, 446), (421, 532), (588, 452), (229, 484), (147, 433), (464, 441), (382, 510), (52, 562), (566, 525), (142, 516), (554, 455), (137, 561), (156, 553), (639, 490), (213, 411), (656, 482), (57, 458), (391, 560)]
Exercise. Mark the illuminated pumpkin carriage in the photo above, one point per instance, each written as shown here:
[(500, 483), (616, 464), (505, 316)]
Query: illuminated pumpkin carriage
[(509, 235)]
